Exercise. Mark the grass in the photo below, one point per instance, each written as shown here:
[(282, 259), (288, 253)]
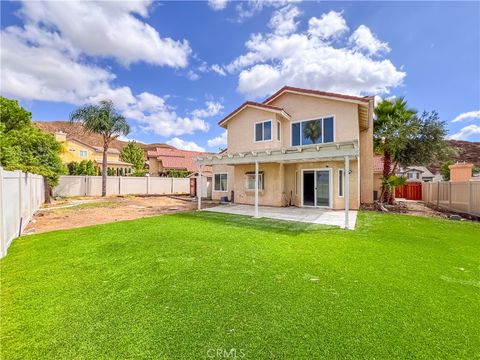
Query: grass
[(177, 286)]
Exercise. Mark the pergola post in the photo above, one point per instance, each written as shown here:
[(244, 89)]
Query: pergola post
[(256, 188), (199, 187), (346, 189)]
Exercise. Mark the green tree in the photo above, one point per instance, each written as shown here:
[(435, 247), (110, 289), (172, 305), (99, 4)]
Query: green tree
[(313, 130), (12, 115), (406, 139), (133, 154), (445, 170), (25, 147), (105, 120), (86, 167), (72, 168)]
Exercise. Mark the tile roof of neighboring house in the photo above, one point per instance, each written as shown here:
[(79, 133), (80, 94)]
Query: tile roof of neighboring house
[(175, 159), (377, 163), (253, 104), (77, 131), (365, 99)]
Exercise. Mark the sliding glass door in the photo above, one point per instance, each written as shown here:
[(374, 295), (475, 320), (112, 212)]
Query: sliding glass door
[(316, 188)]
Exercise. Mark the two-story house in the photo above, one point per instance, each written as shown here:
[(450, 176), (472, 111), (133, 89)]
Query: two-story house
[(299, 147)]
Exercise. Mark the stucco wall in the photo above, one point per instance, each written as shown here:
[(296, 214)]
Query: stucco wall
[(216, 195), (302, 107), (72, 153), (241, 131)]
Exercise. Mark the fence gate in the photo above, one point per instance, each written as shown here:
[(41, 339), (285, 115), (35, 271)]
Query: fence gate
[(409, 191)]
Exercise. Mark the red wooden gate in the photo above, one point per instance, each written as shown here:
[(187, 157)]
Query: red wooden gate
[(409, 191)]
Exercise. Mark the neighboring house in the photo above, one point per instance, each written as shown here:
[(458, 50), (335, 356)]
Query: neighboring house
[(377, 175), (416, 173), (162, 160), (308, 148), (77, 150)]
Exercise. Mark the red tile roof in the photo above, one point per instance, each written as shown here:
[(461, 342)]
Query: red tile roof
[(175, 159), (377, 163), (252, 103), (365, 99)]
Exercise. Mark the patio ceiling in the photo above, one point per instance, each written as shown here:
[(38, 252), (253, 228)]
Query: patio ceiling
[(324, 152)]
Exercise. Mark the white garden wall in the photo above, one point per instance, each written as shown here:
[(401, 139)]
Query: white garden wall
[(21, 194), (120, 185)]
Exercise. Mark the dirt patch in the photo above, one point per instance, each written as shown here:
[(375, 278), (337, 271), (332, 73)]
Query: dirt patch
[(78, 212), (410, 207)]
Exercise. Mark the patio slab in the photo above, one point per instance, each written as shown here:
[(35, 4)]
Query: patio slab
[(306, 215)]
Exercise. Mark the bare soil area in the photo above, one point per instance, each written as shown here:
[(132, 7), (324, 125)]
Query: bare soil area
[(84, 211), (411, 207)]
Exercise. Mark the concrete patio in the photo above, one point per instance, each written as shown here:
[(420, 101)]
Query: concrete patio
[(306, 215)]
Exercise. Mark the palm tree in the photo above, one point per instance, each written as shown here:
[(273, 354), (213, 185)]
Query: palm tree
[(392, 126), (313, 130), (105, 120)]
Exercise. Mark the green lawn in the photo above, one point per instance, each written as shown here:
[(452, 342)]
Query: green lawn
[(176, 286)]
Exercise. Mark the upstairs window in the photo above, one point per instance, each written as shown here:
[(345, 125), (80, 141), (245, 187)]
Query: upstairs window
[(279, 130), (83, 153), (263, 131), (316, 131), (220, 182)]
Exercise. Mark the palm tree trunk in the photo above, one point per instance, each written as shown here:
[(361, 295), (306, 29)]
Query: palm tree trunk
[(387, 164), (104, 170)]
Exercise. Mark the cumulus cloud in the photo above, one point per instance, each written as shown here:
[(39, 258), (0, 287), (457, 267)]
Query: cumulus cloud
[(45, 60), (217, 4), (212, 108), (467, 116), (329, 25), (107, 29), (283, 20), (246, 9), (364, 39), (466, 132), (308, 59), (185, 145), (218, 141), (218, 69)]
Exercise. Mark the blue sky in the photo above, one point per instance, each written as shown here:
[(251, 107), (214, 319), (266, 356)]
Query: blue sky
[(175, 68)]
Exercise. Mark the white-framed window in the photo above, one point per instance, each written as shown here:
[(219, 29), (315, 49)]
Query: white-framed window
[(263, 131), (83, 153), (279, 130), (314, 131), (220, 182), (412, 175), (250, 180), (341, 182)]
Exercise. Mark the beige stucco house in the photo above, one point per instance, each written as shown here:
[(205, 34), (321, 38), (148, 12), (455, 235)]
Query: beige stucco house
[(302, 147)]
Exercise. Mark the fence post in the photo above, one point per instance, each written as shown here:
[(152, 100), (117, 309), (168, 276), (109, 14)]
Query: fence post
[(87, 183), (470, 196), (450, 195), (148, 181), (119, 185), (3, 230), (171, 191), (438, 194)]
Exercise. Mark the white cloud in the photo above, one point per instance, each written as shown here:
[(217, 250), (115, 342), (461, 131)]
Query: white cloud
[(467, 115), (192, 75), (217, 4), (283, 20), (301, 59), (212, 108), (246, 9), (329, 25), (218, 69), (364, 39), (218, 141), (466, 132), (107, 29), (185, 145)]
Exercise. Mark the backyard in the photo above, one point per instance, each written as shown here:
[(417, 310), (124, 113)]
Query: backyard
[(206, 285)]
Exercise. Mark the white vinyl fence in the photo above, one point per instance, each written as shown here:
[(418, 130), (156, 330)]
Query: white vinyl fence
[(463, 197), (121, 185), (21, 194)]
